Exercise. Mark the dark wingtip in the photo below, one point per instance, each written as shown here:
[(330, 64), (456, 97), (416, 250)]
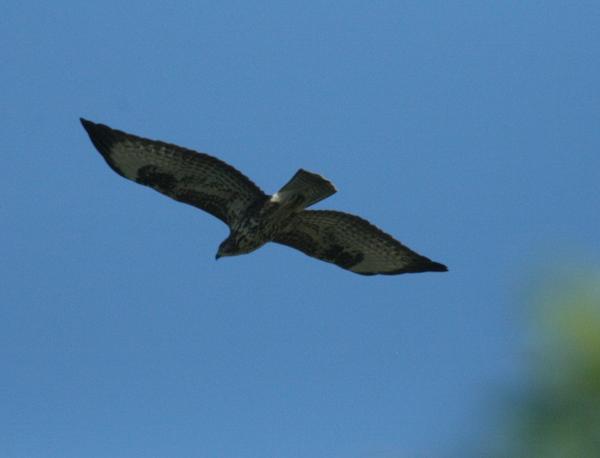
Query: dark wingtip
[(86, 124), (103, 138), (425, 265), (90, 127), (437, 267), (101, 135)]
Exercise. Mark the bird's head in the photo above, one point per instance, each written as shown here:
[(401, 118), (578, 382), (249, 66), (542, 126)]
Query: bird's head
[(226, 248), (237, 244), (229, 247)]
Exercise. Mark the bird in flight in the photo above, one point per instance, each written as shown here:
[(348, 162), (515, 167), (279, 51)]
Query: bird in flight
[(253, 217)]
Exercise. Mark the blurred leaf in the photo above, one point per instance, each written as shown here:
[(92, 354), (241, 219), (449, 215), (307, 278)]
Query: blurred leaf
[(559, 415)]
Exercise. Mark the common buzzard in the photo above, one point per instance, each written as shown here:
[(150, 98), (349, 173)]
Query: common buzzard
[(253, 217)]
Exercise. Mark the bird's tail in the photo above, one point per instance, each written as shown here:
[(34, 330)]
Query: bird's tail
[(305, 189)]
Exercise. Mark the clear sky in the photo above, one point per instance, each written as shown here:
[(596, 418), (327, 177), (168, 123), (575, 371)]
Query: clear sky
[(468, 130)]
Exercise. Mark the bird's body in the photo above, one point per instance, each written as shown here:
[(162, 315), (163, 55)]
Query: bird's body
[(268, 217), (253, 217), (258, 226)]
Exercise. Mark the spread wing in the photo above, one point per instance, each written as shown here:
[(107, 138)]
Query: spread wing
[(352, 243), (185, 175)]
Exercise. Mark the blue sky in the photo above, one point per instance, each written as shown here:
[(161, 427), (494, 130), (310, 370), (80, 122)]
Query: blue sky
[(468, 130)]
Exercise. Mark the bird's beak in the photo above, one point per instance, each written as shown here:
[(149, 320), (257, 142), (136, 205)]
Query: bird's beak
[(217, 256)]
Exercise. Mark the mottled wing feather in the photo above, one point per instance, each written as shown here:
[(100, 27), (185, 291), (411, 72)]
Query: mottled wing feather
[(185, 175), (353, 244)]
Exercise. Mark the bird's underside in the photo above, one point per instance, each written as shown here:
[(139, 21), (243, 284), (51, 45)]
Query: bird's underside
[(253, 217)]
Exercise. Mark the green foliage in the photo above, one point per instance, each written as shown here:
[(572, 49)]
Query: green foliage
[(559, 415)]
